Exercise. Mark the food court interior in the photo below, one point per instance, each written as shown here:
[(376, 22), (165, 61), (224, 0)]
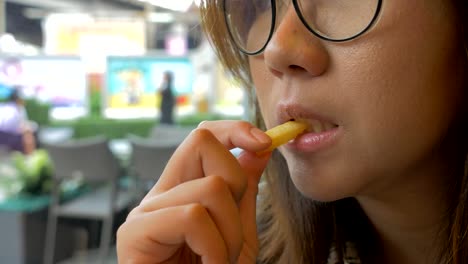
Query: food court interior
[(84, 127)]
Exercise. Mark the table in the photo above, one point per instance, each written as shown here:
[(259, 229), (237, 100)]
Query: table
[(23, 222)]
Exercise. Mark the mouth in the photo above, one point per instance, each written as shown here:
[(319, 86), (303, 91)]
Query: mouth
[(322, 131), (316, 125)]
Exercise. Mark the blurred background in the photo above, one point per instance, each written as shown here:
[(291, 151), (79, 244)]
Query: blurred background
[(86, 119)]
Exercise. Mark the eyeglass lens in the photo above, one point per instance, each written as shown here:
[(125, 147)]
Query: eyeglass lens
[(250, 22)]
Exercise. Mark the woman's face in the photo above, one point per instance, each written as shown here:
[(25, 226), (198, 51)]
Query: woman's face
[(376, 106)]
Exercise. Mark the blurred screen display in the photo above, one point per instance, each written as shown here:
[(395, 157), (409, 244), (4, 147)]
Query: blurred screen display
[(133, 82), (60, 81)]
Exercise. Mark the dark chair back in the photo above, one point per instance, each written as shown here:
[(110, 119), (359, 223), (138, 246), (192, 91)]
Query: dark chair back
[(89, 158), (149, 158), (92, 160)]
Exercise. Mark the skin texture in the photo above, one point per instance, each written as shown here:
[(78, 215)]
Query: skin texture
[(382, 89), (204, 203), (393, 93)]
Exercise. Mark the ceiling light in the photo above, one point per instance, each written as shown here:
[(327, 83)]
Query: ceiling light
[(161, 17), (179, 5)]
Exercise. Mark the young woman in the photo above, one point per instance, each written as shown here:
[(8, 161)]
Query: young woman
[(16, 131), (380, 174), (167, 99)]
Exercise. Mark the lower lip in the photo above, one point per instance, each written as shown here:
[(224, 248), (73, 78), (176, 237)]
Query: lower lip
[(313, 142)]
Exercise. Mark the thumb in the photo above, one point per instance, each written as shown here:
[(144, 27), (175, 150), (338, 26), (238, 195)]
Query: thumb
[(253, 165)]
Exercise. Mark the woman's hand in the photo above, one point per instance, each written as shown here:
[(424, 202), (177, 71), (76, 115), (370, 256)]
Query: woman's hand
[(202, 209)]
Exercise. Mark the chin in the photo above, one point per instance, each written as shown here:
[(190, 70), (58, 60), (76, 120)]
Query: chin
[(321, 194), (321, 186)]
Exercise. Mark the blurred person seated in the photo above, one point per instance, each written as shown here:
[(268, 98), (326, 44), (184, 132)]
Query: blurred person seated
[(16, 131)]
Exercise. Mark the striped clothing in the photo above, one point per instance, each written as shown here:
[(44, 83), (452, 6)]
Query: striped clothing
[(350, 255)]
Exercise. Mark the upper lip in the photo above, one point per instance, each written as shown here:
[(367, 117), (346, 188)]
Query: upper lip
[(289, 111)]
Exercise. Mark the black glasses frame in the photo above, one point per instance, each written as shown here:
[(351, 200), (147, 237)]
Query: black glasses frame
[(304, 22)]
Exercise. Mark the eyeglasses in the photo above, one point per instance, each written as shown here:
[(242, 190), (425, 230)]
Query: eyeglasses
[(251, 23)]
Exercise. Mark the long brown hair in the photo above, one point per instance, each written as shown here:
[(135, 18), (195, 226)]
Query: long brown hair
[(457, 248), (294, 229)]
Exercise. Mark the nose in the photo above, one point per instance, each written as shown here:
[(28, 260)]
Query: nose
[(293, 50)]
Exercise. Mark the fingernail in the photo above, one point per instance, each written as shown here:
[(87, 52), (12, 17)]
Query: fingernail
[(259, 135)]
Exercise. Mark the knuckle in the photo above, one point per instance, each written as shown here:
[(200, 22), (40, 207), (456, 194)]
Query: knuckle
[(202, 134), (244, 125), (204, 124), (125, 228), (195, 212), (120, 232), (216, 185), (135, 212)]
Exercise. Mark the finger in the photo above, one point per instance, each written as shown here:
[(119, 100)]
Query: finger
[(201, 154), (140, 240), (207, 148), (253, 165), (241, 134), (212, 193)]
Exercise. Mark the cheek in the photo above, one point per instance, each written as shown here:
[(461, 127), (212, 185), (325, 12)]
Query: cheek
[(408, 92), (263, 82), (404, 128)]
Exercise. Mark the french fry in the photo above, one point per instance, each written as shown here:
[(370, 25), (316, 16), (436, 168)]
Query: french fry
[(283, 134)]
